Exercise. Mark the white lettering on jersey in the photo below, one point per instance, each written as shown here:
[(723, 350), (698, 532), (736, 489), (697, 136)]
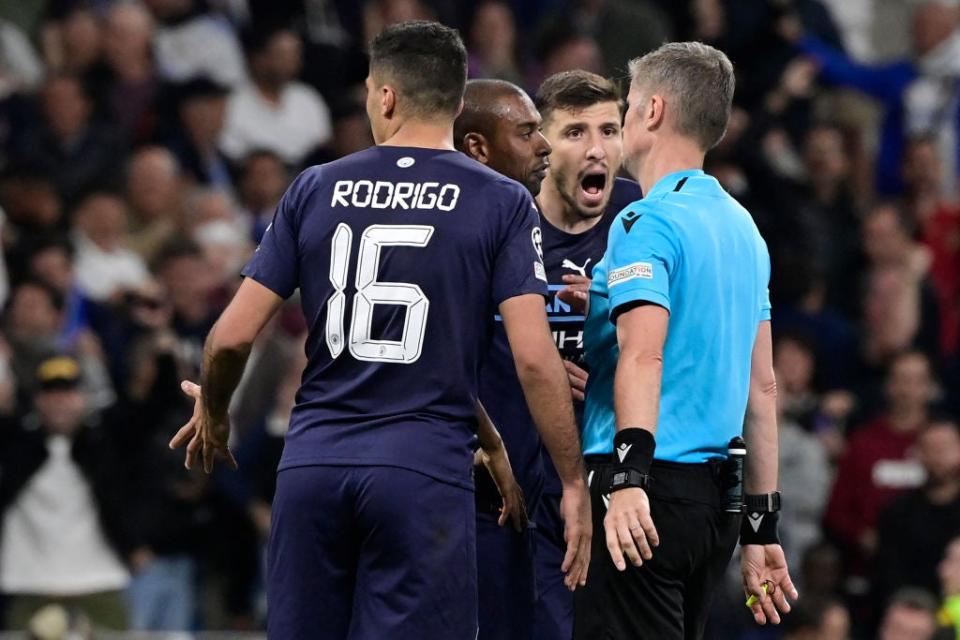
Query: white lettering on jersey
[(389, 195)]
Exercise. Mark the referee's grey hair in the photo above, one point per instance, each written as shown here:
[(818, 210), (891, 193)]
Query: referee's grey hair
[(698, 78)]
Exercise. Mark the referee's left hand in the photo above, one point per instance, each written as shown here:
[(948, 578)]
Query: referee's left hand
[(629, 528), (761, 564)]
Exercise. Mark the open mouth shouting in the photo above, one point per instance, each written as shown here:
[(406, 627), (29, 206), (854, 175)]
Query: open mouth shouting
[(593, 185)]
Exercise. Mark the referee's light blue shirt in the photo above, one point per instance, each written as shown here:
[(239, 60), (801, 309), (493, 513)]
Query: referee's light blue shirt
[(692, 249)]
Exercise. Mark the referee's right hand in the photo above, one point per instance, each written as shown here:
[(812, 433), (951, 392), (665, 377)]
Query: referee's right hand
[(629, 528)]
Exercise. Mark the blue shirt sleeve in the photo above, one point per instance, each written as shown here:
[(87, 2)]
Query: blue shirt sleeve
[(765, 306), (642, 253), (276, 263), (518, 265), (885, 82)]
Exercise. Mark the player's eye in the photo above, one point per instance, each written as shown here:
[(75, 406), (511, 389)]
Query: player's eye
[(611, 131), (574, 133)]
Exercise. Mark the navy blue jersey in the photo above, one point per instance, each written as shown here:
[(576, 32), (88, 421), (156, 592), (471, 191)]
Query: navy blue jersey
[(401, 256), (564, 253)]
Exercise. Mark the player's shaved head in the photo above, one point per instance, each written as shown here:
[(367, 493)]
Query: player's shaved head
[(500, 127), (483, 104)]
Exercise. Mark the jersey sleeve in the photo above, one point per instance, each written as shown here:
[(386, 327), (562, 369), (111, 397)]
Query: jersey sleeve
[(518, 266), (642, 255), (765, 306), (276, 264)]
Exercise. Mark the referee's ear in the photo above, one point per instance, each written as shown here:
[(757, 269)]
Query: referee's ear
[(476, 146)]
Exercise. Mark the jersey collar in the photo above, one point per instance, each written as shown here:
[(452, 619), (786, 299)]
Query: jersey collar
[(670, 181)]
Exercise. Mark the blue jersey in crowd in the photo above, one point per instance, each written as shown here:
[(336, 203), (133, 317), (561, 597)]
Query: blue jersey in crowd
[(689, 247), (401, 256), (564, 253)]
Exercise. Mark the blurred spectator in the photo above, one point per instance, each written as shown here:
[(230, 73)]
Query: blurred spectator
[(153, 190), (910, 615), (913, 530), (30, 201), (133, 83), (493, 43), (68, 146), (821, 570), (191, 42), (263, 179), (202, 111), (274, 111), (918, 95), (817, 618), (380, 14), (623, 30), (805, 478), (191, 288), (51, 262), (938, 220), (105, 267), (878, 464), (20, 68), (900, 309), (565, 48), (226, 247), (834, 213), (34, 329), (64, 536), (71, 41)]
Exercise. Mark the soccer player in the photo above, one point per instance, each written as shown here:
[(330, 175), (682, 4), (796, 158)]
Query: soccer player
[(500, 127), (578, 200), (401, 252), (678, 337)]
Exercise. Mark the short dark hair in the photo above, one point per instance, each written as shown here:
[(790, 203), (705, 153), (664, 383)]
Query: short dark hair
[(480, 108), (426, 62), (575, 90)]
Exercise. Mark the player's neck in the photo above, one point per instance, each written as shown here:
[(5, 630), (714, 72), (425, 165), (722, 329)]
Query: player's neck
[(668, 156), (560, 213), (422, 134)]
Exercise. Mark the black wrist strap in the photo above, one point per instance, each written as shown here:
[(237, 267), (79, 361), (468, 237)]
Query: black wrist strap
[(632, 456), (760, 527), (634, 448), (762, 502), (627, 478)]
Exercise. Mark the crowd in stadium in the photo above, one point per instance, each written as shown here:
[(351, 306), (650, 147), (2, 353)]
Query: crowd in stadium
[(144, 145)]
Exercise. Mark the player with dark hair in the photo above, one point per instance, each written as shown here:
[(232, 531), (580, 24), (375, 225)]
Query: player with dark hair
[(402, 253), (578, 201)]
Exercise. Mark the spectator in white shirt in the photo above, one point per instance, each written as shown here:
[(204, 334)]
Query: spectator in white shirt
[(192, 42), (274, 111), (104, 266)]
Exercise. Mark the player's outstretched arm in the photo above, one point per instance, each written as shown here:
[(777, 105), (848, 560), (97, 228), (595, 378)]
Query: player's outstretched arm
[(545, 385), (763, 566), (225, 355), (493, 455)]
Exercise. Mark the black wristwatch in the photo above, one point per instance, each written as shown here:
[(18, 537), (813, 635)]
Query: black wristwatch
[(762, 503), (629, 478)]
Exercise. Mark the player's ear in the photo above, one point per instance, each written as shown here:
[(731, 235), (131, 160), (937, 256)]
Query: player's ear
[(475, 146), (388, 101), (654, 116)]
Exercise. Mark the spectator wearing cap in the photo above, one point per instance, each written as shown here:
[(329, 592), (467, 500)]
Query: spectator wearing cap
[(201, 110), (275, 111), (63, 536)]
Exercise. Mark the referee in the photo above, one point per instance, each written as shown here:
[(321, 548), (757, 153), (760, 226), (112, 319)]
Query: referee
[(678, 338)]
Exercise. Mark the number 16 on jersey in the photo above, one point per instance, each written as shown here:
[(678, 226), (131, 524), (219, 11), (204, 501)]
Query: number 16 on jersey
[(371, 292)]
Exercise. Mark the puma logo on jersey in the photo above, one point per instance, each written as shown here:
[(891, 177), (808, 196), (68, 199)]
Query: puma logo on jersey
[(569, 264)]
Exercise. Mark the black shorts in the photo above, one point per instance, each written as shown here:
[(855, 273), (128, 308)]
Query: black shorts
[(668, 598)]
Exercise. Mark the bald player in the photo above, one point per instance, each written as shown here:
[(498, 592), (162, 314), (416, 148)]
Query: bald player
[(500, 127)]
